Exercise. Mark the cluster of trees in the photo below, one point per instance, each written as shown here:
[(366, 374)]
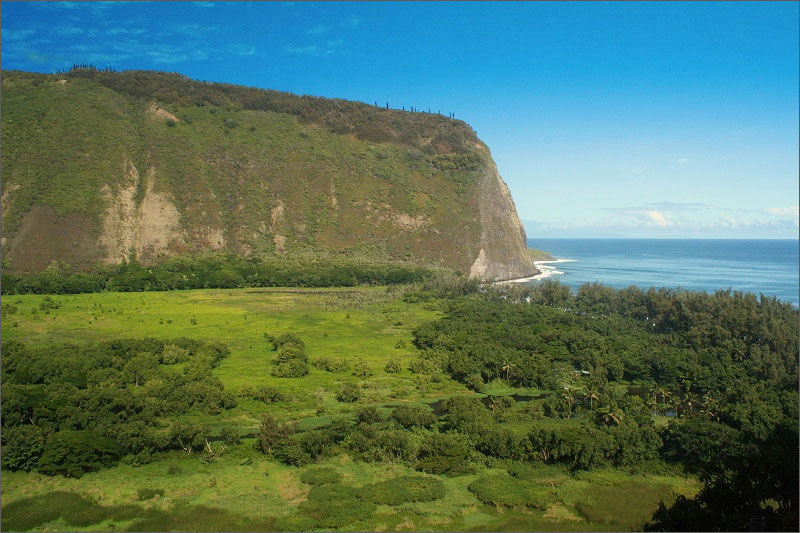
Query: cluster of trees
[(723, 365), (212, 271), (429, 132), (70, 409), (290, 360)]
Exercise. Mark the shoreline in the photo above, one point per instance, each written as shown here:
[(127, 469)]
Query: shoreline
[(545, 271)]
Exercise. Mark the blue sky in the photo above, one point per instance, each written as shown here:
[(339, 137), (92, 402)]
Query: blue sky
[(605, 119)]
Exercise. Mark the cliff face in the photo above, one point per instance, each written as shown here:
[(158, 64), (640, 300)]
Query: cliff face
[(503, 254), (104, 167)]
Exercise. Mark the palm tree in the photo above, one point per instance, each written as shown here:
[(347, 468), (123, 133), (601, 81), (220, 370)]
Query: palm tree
[(690, 400), (612, 414), (592, 393), (708, 407), (569, 397), (507, 366)]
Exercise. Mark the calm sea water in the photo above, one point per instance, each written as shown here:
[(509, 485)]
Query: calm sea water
[(767, 267)]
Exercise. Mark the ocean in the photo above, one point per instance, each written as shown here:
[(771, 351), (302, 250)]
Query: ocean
[(768, 267)]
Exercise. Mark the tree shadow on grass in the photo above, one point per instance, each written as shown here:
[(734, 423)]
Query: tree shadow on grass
[(79, 511)]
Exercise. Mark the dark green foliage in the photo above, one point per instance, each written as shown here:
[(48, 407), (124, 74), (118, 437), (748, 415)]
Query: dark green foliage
[(22, 447), (291, 453), (410, 417), (215, 270), (272, 433), (73, 453), (443, 454), (115, 392), (320, 476), (368, 415), (404, 489)]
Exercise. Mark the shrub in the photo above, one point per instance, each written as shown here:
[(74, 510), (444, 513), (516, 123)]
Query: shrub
[(409, 416), (320, 476), (404, 489), (331, 364), (293, 368), (368, 415), (231, 436), (349, 393), (393, 367), (291, 453)]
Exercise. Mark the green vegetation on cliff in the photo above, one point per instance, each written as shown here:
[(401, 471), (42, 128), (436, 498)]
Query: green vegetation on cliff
[(106, 167)]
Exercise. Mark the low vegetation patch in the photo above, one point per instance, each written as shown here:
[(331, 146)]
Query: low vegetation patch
[(504, 491), (403, 490), (320, 476)]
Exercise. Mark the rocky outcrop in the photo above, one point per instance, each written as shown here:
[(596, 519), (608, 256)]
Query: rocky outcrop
[(503, 250)]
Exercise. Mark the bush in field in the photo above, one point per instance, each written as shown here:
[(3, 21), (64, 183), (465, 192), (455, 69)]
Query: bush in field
[(505, 491), (331, 364), (404, 489), (293, 368), (272, 433), (291, 359), (349, 393), (320, 476), (368, 415), (264, 393), (291, 453), (409, 416), (393, 367)]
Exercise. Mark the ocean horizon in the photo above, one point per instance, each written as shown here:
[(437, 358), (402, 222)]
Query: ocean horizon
[(760, 266)]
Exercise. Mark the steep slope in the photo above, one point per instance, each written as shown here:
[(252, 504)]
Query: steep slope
[(104, 167)]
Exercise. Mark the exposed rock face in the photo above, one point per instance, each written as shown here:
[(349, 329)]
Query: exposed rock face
[(201, 171), (146, 229), (503, 250)]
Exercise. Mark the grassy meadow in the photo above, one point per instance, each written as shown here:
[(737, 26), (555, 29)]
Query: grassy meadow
[(246, 490)]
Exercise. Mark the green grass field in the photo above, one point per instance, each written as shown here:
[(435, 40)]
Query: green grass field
[(246, 490)]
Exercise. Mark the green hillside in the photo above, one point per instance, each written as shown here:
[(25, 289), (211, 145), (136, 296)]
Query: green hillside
[(102, 167)]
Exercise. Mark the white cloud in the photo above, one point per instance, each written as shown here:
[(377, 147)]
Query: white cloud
[(658, 219), (16, 35), (793, 211), (242, 49), (204, 4), (683, 160), (351, 22), (69, 31), (303, 50), (317, 30)]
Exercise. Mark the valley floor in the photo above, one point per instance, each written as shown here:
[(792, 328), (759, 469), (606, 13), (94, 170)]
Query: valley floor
[(246, 490)]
